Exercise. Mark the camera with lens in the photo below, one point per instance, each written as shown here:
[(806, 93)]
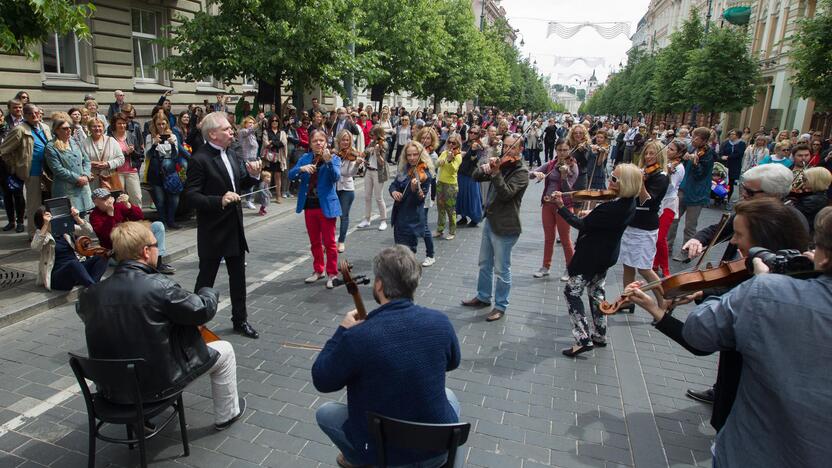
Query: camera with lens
[(784, 262)]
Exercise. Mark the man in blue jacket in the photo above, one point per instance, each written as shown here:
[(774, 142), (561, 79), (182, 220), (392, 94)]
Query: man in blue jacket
[(393, 363)]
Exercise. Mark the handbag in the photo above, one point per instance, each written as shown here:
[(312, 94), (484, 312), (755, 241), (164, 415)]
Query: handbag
[(112, 182), (172, 183), (13, 183)]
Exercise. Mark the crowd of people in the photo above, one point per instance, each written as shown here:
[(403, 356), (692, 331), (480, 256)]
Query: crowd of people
[(624, 189)]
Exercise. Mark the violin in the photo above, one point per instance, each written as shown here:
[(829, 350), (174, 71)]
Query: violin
[(207, 335), (352, 287), (419, 170), (83, 245), (349, 155), (652, 168), (592, 194)]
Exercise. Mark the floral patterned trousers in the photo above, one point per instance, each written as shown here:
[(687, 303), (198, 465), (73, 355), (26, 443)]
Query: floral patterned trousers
[(446, 205), (594, 286)]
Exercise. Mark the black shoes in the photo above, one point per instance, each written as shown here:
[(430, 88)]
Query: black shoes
[(463, 221), (174, 226), (20, 228), (8, 227), (225, 425), (705, 396), (165, 269), (245, 329), (572, 351)]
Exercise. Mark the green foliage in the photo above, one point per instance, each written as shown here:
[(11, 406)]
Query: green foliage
[(581, 94), (672, 64), (25, 24), (812, 56), (304, 42), (722, 75)]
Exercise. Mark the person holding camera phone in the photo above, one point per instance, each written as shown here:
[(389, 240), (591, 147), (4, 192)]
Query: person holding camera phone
[(768, 321), (162, 152)]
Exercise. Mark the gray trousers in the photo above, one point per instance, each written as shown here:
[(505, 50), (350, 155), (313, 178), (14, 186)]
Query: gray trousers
[(691, 214)]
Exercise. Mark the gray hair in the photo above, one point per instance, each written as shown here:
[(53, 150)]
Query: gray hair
[(211, 122), (775, 179), (399, 272), (30, 109)]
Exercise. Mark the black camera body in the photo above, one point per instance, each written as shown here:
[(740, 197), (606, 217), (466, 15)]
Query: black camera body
[(784, 262)]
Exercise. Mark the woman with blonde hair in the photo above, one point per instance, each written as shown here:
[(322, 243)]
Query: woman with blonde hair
[(597, 249), (92, 107), (754, 154), (71, 170), (638, 244), (813, 197), (105, 156), (447, 187), (161, 150), (580, 146), (430, 140), (79, 132), (409, 189), (345, 187), (781, 154)]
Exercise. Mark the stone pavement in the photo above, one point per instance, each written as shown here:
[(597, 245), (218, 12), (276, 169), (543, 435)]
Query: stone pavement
[(529, 406)]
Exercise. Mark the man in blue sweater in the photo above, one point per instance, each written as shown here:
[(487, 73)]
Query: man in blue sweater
[(393, 363)]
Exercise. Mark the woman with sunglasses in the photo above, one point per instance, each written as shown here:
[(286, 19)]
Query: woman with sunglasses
[(781, 154), (446, 186), (274, 144), (71, 169), (469, 198)]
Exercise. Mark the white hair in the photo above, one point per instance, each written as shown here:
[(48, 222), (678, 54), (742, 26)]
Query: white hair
[(775, 179), (211, 122)]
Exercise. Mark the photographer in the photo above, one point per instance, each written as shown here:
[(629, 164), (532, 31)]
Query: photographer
[(769, 320)]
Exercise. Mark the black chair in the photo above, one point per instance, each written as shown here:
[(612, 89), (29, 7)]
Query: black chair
[(418, 436), (121, 375)]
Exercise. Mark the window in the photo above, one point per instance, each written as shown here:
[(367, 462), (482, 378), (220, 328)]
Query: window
[(145, 51), (60, 55), (249, 83)]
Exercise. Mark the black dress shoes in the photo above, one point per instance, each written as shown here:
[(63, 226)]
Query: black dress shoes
[(576, 350), (705, 396), (8, 227), (20, 228), (245, 329), (475, 302)]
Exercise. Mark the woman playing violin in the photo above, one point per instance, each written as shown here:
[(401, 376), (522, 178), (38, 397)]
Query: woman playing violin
[(559, 175), (430, 140), (759, 222), (638, 244), (351, 162), (409, 189), (601, 149), (446, 187), (670, 203), (581, 148), (596, 250), (319, 171)]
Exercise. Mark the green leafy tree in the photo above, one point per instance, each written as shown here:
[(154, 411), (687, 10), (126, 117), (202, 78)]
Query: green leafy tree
[(672, 64), (722, 75), (581, 94), (410, 39), (25, 24), (302, 42), (811, 54)]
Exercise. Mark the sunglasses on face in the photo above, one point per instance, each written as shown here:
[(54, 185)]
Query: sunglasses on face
[(613, 178)]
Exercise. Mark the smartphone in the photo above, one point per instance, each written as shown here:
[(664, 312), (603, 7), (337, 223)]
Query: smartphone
[(116, 193)]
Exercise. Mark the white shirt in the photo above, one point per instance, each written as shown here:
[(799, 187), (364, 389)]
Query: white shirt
[(227, 164)]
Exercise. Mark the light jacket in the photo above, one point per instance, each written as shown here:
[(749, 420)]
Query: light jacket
[(17, 149), (111, 153), (328, 175), (45, 244)]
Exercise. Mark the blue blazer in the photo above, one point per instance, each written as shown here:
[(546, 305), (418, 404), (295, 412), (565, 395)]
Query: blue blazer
[(328, 175), (409, 213), (393, 363)]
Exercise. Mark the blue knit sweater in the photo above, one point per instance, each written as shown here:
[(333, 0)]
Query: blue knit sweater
[(393, 364)]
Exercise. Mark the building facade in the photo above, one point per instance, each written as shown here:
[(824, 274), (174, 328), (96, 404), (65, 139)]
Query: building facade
[(771, 24)]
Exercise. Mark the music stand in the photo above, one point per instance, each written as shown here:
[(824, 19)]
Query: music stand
[(61, 210)]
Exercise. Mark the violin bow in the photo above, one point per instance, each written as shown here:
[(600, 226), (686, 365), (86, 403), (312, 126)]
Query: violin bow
[(722, 223)]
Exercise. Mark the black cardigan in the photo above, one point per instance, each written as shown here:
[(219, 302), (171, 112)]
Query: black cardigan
[(647, 214), (599, 236)]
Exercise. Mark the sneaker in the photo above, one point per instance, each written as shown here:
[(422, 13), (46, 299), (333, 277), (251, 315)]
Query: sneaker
[(428, 261), (250, 205), (363, 224), (225, 425), (437, 234), (565, 276), (315, 277), (705, 396), (165, 269), (330, 282), (341, 247), (450, 237), (541, 272), (382, 226), (262, 211)]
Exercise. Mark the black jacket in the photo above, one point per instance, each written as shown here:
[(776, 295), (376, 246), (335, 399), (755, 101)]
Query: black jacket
[(140, 313), (599, 236), (219, 231), (647, 215), (809, 205)]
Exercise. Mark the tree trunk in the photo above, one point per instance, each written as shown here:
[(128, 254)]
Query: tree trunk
[(436, 104)]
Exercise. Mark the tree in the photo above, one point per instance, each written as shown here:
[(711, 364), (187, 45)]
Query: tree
[(581, 94), (672, 64), (812, 56), (722, 75), (25, 24), (410, 39), (303, 42)]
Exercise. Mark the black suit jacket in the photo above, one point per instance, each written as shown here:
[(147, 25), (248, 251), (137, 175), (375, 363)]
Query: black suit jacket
[(220, 230)]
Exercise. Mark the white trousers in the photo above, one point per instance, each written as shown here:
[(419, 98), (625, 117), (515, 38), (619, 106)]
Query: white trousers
[(224, 382), (373, 189), (132, 187)]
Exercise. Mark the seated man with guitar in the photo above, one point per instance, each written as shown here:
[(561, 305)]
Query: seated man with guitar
[(393, 362), (140, 313)]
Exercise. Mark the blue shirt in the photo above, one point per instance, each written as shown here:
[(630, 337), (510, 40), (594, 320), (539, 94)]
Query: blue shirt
[(783, 328), (37, 152)]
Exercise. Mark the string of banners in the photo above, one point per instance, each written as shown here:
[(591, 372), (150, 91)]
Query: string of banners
[(565, 77), (590, 61), (606, 30)]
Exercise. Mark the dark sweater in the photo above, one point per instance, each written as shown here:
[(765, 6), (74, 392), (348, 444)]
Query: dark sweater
[(394, 364), (647, 214), (505, 193), (599, 236)]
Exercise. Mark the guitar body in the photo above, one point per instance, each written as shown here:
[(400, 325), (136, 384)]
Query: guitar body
[(207, 335)]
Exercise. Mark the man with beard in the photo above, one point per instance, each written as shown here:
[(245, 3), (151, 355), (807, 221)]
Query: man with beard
[(392, 363)]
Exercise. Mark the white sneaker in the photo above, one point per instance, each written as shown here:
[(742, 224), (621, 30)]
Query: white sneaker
[(437, 234), (450, 237), (541, 272), (329, 282), (382, 226), (565, 276), (341, 247), (250, 205), (315, 277), (363, 224), (428, 261)]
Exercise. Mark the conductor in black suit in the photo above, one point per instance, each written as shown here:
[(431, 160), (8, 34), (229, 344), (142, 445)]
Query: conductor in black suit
[(215, 177)]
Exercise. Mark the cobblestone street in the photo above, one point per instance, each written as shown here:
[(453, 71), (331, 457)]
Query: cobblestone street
[(529, 406)]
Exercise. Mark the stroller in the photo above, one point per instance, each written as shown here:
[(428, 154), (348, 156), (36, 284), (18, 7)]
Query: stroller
[(720, 185)]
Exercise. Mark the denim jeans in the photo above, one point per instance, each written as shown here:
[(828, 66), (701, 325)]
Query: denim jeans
[(346, 197), (428, 237), (158, 230), (495, 258), (331, 417), (165, 202)]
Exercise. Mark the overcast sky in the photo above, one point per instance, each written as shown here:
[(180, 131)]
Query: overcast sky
[(531, 17)]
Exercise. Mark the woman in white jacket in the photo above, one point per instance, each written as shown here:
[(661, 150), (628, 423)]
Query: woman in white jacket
[(104, 154)]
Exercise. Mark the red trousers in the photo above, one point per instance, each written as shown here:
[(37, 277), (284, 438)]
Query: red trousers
[(321, 232), (551, 221), (660, 261)]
